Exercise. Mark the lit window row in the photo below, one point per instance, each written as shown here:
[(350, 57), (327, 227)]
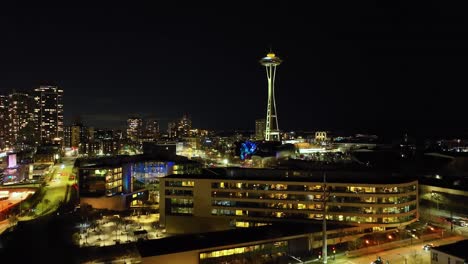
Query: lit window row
[(274, 247)]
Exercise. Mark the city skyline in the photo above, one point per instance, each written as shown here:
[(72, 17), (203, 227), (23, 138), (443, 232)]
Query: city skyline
[(342, 67), (196, 133)]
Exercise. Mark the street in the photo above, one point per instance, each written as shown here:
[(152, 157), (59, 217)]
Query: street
[(55, 189), (404, 255)]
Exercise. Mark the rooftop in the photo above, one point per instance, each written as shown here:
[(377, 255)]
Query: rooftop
[(344, 176), (200, 241), (457, 249), (113, 161)]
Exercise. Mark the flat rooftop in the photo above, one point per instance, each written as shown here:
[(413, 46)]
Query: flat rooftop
[(202, 241), (457, 249), (41, 166), (119, 160), (345, 176)]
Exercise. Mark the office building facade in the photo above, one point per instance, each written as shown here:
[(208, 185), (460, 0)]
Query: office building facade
[(377, 201)]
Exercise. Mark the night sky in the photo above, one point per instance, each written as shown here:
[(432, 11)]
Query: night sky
[(350, 64)]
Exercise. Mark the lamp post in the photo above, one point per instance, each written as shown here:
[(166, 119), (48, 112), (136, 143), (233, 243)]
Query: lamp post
[(324, 220)]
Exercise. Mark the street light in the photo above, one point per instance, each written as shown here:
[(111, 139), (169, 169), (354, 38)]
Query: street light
[(326, 194)]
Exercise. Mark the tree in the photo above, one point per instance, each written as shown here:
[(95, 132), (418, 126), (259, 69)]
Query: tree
[(415, 258), (13, 220), (46, 202)]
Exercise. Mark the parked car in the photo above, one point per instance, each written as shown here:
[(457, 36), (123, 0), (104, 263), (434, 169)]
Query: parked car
[(428, 246)]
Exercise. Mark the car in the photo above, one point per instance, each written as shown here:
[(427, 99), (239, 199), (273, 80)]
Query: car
[(428, 246)]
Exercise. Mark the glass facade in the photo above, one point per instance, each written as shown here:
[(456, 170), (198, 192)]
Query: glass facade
[(151, 171)]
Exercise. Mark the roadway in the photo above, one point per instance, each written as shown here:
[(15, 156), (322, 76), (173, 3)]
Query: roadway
[(55, 189), (54, 193), (412, 254)]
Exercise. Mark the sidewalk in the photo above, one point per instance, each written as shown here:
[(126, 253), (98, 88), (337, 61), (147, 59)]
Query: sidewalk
[(387, 252)]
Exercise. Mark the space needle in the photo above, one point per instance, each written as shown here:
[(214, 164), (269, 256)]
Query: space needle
[(272, 130)]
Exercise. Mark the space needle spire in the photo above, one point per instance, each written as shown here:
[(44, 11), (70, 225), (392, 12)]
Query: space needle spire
[(272, 129)]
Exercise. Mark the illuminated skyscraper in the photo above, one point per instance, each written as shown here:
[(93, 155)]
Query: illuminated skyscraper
[(3, 121), (152, 129), (180, 128), (48, 113), (21, 125), (184, 126), (271, 130), (172, 129), (260, 127), (134, 128)]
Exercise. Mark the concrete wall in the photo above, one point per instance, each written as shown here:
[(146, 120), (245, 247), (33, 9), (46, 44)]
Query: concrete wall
[(202, 198), (116, 203), (190, 224), (438, 257)]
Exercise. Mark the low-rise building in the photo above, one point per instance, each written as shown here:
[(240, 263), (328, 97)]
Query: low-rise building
[(118, 182), (455, 253), (265, 244)]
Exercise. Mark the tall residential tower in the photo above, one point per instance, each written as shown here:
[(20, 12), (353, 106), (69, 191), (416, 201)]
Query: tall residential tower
[(48, 113)]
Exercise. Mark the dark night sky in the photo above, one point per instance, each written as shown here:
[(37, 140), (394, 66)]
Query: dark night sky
[(353, 64)]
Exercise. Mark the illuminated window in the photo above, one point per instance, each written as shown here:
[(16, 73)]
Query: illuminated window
[(188, 183), (279, 246)]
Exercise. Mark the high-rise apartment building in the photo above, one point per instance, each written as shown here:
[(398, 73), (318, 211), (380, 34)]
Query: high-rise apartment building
[(3, 121), (184, 126), (260, 126), (152, 129), (21, 126), (134, 128), (67, 136), (77, 135), (48, 113), (180, 127)]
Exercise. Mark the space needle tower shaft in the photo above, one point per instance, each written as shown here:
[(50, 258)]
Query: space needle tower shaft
[(271, 129)]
